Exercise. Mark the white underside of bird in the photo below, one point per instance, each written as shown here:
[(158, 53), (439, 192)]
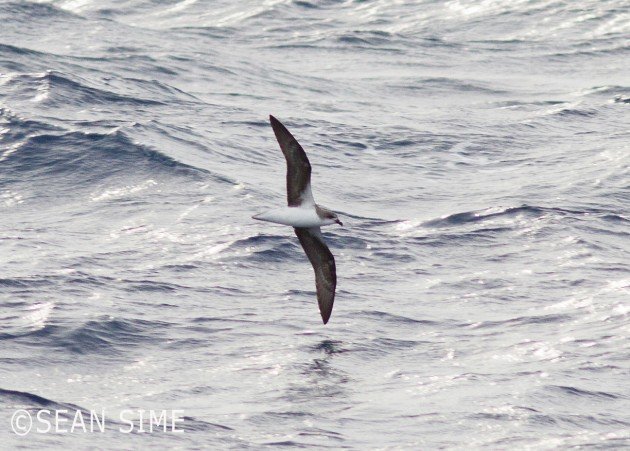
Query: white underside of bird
[(303, 216)]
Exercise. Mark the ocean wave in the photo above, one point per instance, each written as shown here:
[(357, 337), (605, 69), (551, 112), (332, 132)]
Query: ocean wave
[(54, 89), (522, 321), (523, 211), (270, 248), (482, 215), (76, 159), (26, 11), (21, 399), (398, 319), (22, 318), (436, 85), (105, 336)]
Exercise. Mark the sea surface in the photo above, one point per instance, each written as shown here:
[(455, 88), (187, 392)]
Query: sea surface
[(478, 153)]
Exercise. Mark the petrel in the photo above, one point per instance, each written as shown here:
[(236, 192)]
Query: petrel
[(306, 217)]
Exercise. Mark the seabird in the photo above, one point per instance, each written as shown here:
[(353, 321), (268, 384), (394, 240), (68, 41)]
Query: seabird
[(306, 217)]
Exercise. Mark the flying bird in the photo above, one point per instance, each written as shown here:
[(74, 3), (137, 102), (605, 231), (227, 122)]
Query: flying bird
[(306, 217)]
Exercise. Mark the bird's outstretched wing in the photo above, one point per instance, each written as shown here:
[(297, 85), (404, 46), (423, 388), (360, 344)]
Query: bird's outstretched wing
[(323, 263), (298, 166)]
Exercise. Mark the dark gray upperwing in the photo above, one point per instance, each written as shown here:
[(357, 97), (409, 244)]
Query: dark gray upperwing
[(324, 266), (298, 166)]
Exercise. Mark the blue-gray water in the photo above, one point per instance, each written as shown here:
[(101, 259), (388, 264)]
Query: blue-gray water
[(477, 152)]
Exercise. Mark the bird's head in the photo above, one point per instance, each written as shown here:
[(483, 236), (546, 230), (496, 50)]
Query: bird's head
[(332, 216)]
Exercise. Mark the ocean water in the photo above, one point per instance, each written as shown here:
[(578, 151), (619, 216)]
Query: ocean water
[(477, 151)]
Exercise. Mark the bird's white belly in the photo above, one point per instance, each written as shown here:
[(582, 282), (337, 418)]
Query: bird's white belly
[(293, 216)]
